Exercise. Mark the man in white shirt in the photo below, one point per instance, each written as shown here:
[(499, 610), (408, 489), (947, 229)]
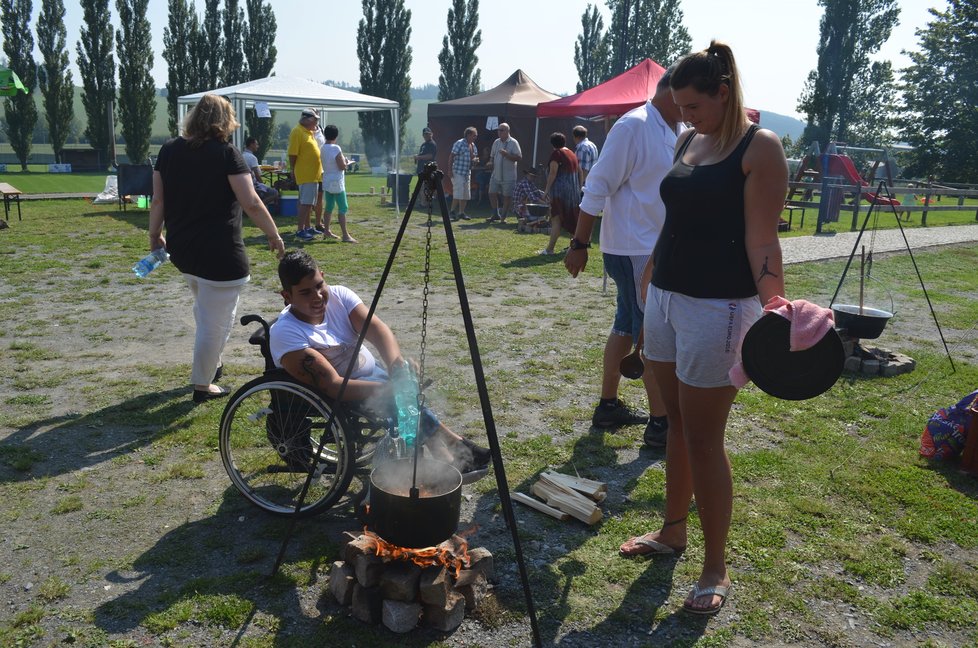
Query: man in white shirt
[(268, 195), (504, 156), (624, 182)]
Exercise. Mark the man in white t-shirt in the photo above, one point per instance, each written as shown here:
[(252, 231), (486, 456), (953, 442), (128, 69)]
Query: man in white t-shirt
[(504, 156), (624, 183), (268, 195), (314, 340)]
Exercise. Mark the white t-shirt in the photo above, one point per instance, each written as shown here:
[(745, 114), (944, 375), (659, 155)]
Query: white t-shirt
[(333, 177), (624, 181), (335, 337), (250, 160)]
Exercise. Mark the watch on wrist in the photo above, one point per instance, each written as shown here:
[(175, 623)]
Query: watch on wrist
[(577, 245)]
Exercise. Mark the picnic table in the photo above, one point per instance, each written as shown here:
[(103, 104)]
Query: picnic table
[(11, 194)]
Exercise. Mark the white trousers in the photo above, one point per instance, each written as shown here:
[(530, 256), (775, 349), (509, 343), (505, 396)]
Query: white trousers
[(215, 303)]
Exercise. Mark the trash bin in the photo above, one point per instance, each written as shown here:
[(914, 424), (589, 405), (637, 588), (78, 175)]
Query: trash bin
[(403, 186), (831, 200)]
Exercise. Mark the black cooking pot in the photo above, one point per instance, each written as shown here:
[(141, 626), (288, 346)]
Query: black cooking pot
[(537, 210), (415, 522), (865, 323)]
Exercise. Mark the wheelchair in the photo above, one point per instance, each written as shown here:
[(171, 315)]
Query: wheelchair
[(270, 432)]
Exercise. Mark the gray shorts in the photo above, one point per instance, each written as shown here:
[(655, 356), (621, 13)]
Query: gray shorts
[(498, 186), (308, 192), (702, 336), (461, 187)]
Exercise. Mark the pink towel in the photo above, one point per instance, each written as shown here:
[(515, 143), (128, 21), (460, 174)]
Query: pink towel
[(809, 322)]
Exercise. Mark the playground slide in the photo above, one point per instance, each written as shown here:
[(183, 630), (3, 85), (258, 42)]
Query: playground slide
[(841, 165)]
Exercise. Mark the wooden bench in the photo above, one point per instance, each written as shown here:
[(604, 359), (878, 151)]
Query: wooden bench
[(791, 209), (10, 194)]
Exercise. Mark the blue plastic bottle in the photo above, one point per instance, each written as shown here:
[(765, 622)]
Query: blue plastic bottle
[(150, 262), (405, 384)]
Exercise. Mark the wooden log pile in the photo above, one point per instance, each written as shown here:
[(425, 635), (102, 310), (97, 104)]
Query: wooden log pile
[(564, 496)]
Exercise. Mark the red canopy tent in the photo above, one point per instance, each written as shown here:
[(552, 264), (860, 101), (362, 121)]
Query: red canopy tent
[(614, 97)]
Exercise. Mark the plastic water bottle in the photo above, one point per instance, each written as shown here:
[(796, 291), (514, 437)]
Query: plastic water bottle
[(150, 262), (405, 384)]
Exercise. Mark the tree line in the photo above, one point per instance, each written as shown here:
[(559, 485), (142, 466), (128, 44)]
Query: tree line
[(848, 97), (221, 49)]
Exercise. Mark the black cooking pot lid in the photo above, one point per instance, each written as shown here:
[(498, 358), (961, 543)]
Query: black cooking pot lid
[(791, 375)]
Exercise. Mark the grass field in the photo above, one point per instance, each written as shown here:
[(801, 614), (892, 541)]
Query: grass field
[(119, 516)]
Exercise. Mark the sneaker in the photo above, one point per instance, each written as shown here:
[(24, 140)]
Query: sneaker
[(656, 431), (618, 415), (305, 235), (493, 218), (464, 217), (315, 230)]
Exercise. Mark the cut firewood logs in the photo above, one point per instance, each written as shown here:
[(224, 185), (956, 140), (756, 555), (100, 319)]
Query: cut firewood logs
[(566, 496)]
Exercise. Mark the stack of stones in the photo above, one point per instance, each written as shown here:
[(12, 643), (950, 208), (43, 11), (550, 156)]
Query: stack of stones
[(875, 361), (399, 593)]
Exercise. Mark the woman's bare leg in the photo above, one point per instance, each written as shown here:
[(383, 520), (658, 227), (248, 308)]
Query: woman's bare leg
[(705, 412)]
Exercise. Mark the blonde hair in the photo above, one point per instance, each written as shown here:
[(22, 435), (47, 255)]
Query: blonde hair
[(706, 71), (212, 118)]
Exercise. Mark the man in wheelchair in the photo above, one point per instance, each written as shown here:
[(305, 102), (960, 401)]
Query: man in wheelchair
[(314, 338)]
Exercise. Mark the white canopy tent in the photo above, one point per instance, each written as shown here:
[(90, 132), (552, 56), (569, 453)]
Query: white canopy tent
[(295, 93)]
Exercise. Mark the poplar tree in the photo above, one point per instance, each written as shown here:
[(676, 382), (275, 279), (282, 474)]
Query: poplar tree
[(591, 50), (849, 32), (137, 91), (233, 66), (96, 67), (260, 55), (385, 60), (18, 45), (55, 77), (459, 75), (178, 45), (940, 91), (211, 45), (642, 29)]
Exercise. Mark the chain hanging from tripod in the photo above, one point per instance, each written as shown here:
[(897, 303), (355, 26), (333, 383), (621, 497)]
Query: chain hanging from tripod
[(429, 192)]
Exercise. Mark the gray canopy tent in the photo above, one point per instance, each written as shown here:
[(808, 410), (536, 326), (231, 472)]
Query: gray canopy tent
[(295, 93)]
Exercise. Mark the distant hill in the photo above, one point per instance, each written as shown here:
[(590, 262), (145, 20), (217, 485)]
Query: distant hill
[(783, 124)]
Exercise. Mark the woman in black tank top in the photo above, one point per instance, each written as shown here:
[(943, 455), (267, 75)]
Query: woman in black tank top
[(719, 245)]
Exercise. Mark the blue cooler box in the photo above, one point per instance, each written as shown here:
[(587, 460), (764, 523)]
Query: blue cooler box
[(289, 205)]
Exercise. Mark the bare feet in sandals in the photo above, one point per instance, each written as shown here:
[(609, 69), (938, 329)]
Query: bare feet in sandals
[(665, 542), (708, 600)]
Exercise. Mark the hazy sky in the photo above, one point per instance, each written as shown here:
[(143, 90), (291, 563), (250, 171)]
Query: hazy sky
[(774, 40)]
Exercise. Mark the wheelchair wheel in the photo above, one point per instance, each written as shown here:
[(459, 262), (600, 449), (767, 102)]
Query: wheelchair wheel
[(269, 433)]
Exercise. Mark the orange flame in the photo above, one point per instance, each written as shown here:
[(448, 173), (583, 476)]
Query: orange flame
[(452, 553)]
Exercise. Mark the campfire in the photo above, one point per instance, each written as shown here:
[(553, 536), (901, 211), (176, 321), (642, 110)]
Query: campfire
[(400, 586), (875, 361)]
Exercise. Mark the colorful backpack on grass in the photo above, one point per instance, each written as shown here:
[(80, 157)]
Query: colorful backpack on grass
[(946, 431)]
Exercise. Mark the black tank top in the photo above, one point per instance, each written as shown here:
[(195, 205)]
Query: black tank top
[(701, 250)]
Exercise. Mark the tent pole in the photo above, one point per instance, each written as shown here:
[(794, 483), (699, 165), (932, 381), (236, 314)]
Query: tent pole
[(395, 117), (536, 135)]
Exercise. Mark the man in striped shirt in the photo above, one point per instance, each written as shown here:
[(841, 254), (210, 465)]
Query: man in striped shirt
[(585, 150), (461, 160)]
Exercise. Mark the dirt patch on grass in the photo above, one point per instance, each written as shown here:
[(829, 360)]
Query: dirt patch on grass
[(120, 524)]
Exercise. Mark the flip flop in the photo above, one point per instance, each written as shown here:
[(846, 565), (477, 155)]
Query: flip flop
[(696, 592), (645, 546)]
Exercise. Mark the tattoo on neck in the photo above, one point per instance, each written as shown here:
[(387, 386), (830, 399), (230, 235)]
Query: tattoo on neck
[(765, 272)]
